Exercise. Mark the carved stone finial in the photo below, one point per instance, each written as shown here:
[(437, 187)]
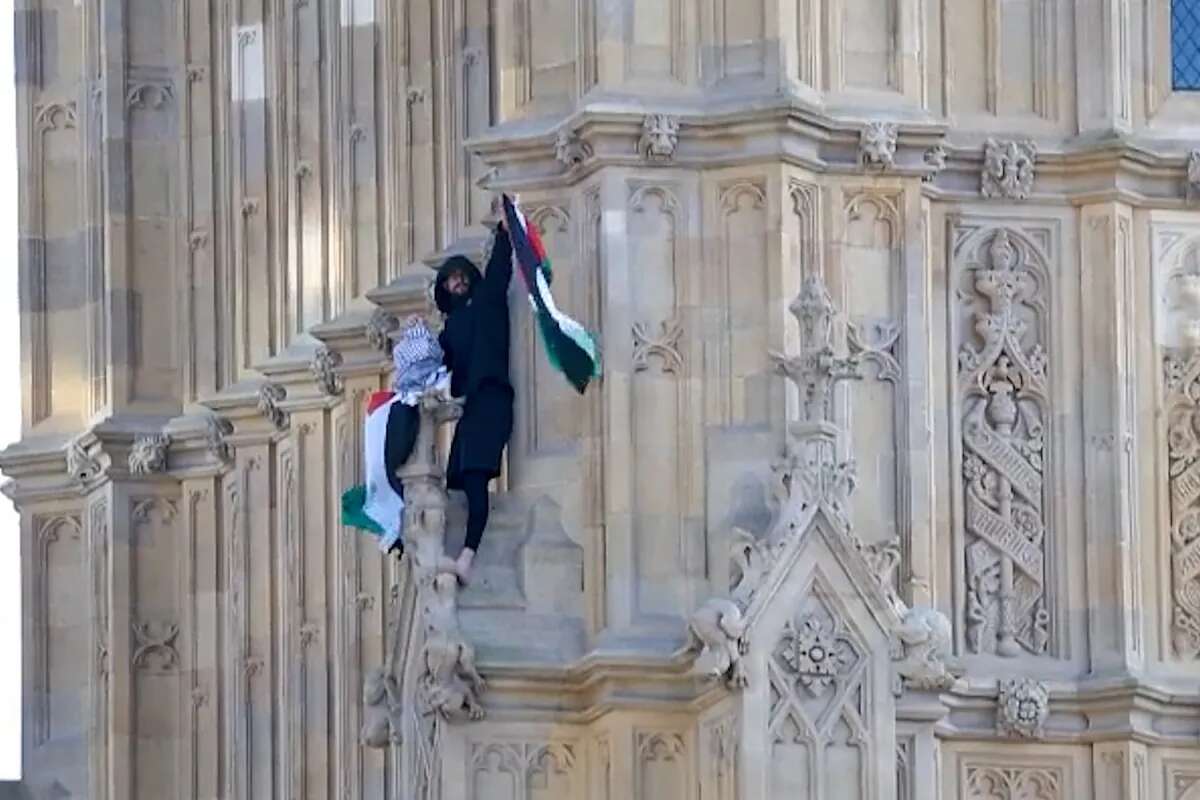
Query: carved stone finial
[(570, 150), (324, 369), (81, 467), (935, 159), (924, 650), (1193, 176), (270, 395), (215, 430), (450, 685), (149, 454), (660, 137), (877, 144), (1008, 169), (718, 633), (1022, 708), (816, 369), (380, 328)]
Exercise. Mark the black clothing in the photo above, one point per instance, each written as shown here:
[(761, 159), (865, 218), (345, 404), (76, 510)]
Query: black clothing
[(475, 484), (475, 340), (402, 425)]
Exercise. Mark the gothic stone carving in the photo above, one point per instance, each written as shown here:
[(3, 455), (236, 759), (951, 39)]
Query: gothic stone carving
[(660, 137), (270, 395), (215, 430), (935, 159), (1013, 783), (717, 631), (924, 637), (1008, 169), (1182, 369), (379, 329), (1193, 177), (450, 683), (664, 346), (149, 454), (81, 467), (381, 710), (1002, 377), (877, 145), (324, 370), (529, 766), (815, 652), (570, 150), (155, 647), (1021, 708)]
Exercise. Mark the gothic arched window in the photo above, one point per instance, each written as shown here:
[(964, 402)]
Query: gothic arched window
[(1185, 45)]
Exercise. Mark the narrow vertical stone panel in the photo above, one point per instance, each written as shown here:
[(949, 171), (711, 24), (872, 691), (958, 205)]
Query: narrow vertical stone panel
[(201, 358), (423, 216), (545, 59), (472, 110), (661, 768), (656, 223), (199, 738), (735, 47), (742, 293), (552, 419), (654, 41), (158, 639), (967, 25), (57, 663), (99, 731), (252, 294), (308, 290), (872, 279), (869, 43), (1109, 477)]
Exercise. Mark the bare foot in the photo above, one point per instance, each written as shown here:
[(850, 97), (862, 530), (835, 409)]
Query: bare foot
[(462, 567)]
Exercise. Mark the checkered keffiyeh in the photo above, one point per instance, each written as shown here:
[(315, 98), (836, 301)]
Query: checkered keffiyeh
[(417, 357)]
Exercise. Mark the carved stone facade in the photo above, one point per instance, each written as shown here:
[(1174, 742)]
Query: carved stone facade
[(889, 489)]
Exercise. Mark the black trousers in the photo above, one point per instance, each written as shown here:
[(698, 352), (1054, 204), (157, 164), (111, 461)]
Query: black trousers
[(475, 484)]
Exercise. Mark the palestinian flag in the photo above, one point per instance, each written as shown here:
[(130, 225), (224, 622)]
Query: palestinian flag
[(569, 347), (378, 506)]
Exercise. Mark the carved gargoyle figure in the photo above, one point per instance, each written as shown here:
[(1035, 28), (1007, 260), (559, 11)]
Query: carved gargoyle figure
[(660, 137), (450, 683), (924, 638), (381, 709), (718, 632)]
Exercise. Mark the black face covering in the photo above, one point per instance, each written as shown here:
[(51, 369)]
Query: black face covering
[(446, 301)]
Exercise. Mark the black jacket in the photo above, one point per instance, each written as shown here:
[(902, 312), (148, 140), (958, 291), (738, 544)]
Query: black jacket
[(475, 338)]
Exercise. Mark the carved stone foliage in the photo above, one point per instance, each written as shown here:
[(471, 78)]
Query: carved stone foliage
[(664, 346), (660, 137), (1002, 382), (818, 684), (270, 395), (324, 370), (533, 769), (877, 145), (1022, 708), (154, 647), (570, 150), (1182, 377), (1008, 169), (718, 632), (149, 454), (1013, 783), (1193, 177)]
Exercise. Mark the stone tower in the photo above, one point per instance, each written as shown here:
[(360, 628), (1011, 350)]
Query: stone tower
[(889, 489)]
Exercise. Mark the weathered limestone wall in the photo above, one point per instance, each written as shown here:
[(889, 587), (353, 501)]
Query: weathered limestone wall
[(227, 206)]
